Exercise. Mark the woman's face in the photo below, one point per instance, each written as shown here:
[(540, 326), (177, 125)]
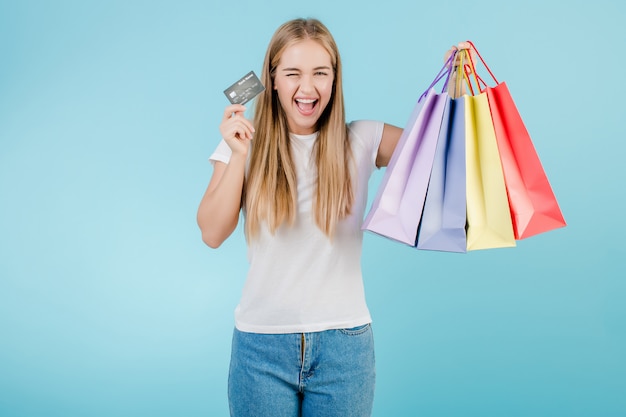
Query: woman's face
[(304, 82)]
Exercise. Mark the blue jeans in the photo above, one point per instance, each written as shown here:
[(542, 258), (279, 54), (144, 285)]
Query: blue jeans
[(329, 373)]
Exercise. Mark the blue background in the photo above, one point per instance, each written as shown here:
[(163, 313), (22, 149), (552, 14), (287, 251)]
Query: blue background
[(110, 305)]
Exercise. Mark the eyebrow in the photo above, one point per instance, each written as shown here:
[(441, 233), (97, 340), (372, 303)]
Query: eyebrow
[(314, 69)]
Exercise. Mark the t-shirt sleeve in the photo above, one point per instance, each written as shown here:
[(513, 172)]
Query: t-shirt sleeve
[(222, 153), (369, 133)]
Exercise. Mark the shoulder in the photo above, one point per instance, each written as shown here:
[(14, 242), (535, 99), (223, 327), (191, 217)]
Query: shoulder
[(366, 132), (365, 127), (365, 137)]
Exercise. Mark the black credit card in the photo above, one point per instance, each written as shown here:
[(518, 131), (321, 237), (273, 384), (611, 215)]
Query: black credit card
[(244, 90)]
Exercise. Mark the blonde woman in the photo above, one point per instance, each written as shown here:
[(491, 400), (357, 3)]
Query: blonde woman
[(303, 343)]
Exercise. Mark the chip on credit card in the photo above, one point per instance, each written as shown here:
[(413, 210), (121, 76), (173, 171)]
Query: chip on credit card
[(244, 90)]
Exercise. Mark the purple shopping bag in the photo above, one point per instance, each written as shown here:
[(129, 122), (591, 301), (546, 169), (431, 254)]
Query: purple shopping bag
[(443, 221), (397, 206)]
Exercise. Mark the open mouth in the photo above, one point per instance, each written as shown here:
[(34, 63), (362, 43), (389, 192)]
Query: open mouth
[(306, 105)]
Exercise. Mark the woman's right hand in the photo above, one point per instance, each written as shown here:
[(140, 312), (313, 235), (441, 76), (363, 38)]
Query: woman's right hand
[(236, 130)]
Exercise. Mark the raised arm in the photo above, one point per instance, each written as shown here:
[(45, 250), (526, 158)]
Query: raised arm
[(219, 208)]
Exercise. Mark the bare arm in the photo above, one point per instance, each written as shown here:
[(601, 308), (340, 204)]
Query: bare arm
[(218, 213), (391, 135)]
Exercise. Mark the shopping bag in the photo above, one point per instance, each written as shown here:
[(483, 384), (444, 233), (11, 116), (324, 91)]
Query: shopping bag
[(397, 207), (533, 205), (489, 222), (443, 221)]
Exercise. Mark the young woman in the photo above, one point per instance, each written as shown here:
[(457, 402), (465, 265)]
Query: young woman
[(302, 343)]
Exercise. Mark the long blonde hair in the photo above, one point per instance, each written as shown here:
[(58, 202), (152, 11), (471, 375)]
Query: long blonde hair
[(270, 193)]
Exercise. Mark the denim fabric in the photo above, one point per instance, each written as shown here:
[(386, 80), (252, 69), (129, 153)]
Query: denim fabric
[(322, 374)]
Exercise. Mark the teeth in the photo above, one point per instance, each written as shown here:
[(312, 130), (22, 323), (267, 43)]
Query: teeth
[(305, 100)]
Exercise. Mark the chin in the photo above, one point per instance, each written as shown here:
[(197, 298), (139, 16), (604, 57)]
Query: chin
[(304, 127)]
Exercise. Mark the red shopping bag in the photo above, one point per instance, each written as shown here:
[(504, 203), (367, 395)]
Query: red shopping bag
[(533, 205)]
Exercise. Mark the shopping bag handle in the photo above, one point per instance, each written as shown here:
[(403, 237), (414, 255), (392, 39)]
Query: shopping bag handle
[(464, 70), (467, 70), (470, 69), (445, 71), (459, 79), (484, 63)]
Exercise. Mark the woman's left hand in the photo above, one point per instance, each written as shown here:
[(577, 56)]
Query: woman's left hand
[(459, 46), (452, 91)]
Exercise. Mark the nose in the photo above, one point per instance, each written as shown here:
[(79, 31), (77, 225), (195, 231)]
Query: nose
[(306, 84)]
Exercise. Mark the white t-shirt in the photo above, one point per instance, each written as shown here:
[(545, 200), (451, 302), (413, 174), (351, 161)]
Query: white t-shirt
[(299, 281)]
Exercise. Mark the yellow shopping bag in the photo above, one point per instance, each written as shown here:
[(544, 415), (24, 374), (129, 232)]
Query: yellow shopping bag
[(489, 223)]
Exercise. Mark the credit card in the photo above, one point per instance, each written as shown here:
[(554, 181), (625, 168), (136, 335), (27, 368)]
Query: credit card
[(244, 90)]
